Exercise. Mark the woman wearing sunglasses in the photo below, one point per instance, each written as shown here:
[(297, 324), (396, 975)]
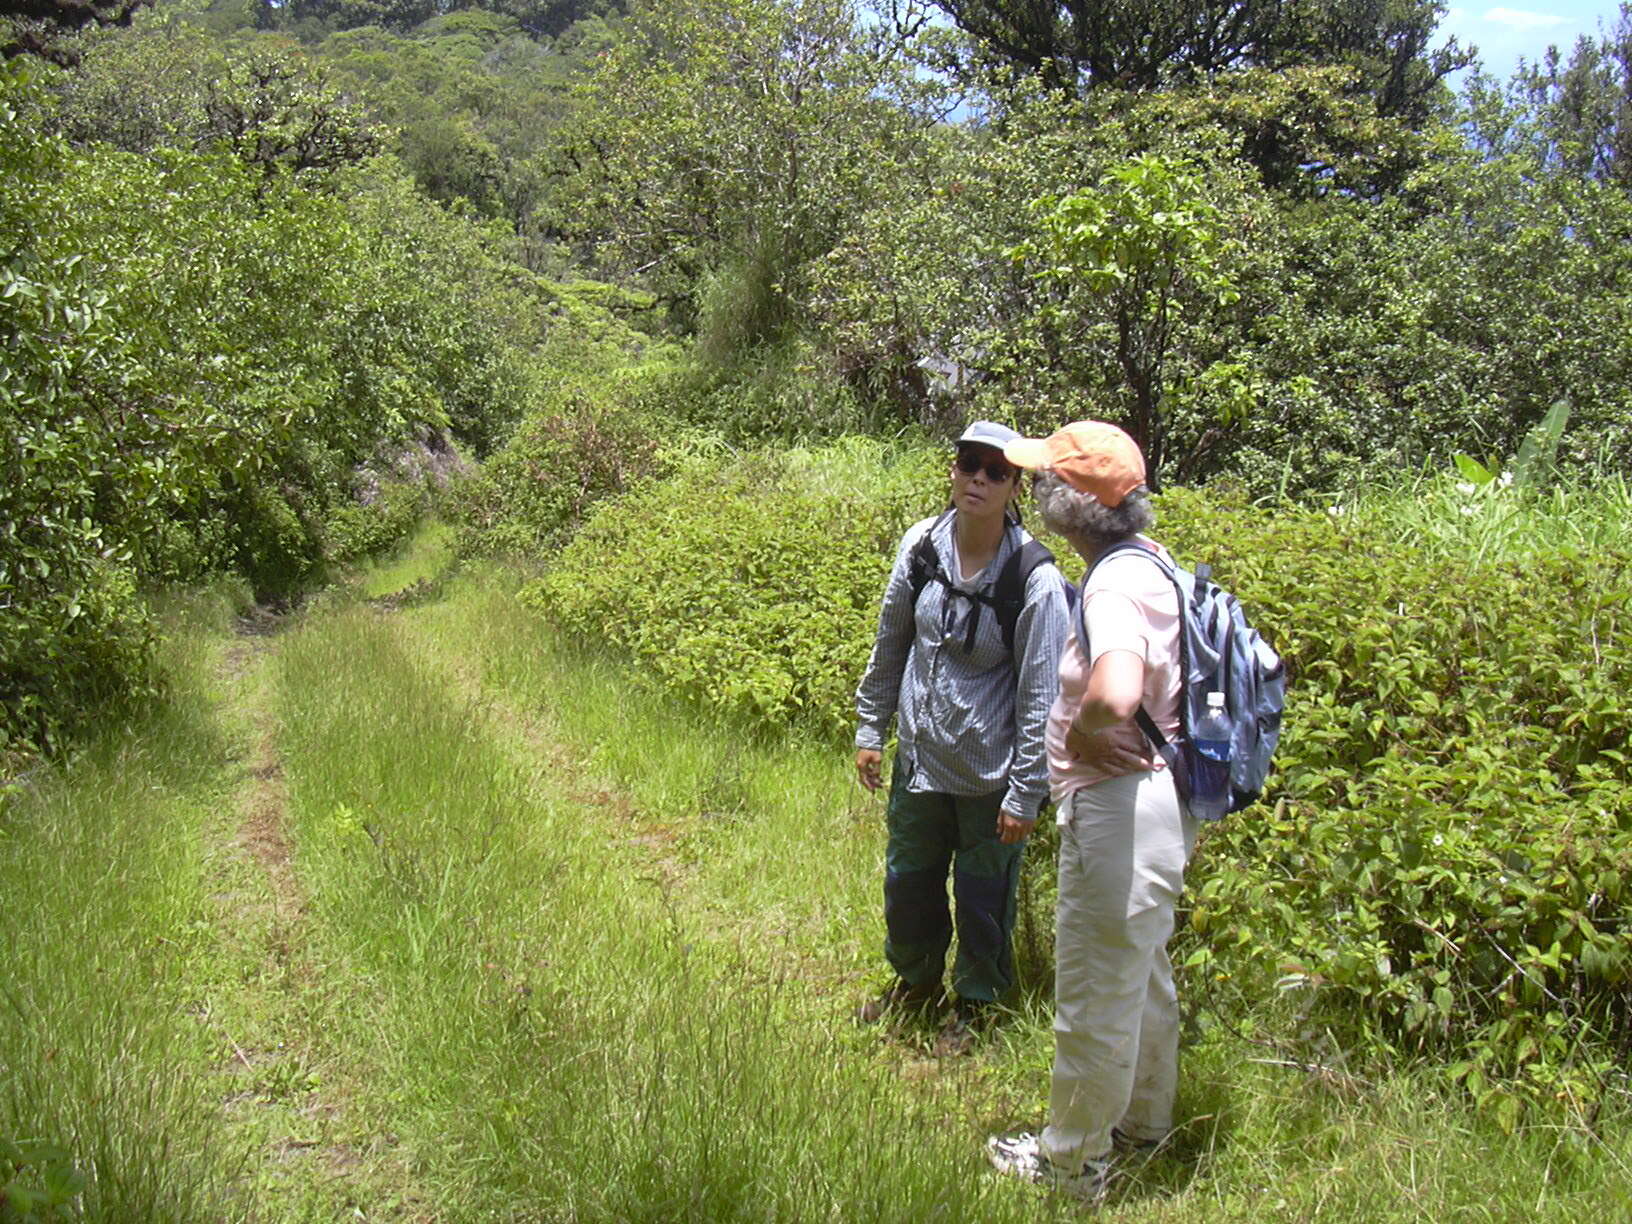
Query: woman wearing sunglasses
[(969, 677)]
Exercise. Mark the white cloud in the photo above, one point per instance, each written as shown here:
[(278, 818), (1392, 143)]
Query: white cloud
[(1519, 19)]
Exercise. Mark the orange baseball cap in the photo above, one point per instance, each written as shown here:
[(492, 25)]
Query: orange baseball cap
[(1093, 457)]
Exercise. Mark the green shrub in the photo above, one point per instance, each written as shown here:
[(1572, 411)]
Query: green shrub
[(750, 583), (70, 626), (598, 327), (1439, 868), (196, 356), (38, 1182), (277, 546), (366, 529), (782, 389), (581, 446), (83, 639)]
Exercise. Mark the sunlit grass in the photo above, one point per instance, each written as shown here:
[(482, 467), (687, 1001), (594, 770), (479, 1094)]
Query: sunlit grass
[(769, 848), (105, 940), (426, 555), (549, 1019), (1446, 515)]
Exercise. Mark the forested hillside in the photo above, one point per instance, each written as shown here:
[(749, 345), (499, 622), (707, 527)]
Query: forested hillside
[(650, 320), (249, 245)]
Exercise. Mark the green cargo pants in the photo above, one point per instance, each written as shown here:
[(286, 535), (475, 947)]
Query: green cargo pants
[(929, 833)]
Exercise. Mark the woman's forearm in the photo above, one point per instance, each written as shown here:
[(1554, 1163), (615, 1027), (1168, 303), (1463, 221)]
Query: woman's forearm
[(1115, 688)]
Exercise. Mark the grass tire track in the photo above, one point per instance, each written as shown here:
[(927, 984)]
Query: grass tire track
[(308, 1165)]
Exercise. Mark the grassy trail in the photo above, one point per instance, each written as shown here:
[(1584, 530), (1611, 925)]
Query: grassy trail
[(286, 1100), (406, 912), (612, 1038)]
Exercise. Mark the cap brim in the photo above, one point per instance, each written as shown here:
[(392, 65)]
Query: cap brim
[(1029, 453)]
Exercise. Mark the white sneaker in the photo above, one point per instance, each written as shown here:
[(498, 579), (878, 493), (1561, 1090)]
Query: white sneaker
[(1022, 1156)]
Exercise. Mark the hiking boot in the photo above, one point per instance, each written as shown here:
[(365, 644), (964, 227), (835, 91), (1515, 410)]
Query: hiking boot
[(901, 994), (1022, 1156), (961, 1032)]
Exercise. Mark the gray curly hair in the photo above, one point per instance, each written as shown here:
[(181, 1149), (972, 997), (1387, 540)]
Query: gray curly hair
[(1074, 513)]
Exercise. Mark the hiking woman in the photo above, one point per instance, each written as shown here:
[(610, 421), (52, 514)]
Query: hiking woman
[(965, 659), (1124, 836)]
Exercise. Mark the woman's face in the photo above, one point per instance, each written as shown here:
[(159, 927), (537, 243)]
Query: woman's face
[(985, 491)]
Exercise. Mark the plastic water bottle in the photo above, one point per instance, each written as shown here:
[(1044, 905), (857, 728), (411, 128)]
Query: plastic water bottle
[(1210, 782)]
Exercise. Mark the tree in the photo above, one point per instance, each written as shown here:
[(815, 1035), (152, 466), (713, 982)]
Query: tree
[(72, 458), (732, 139), (1141, 247), (540, 18), (1576, 115), (932, 272), (1303, 128), (277, 114), (194, 357), (1077, 46), (471, 99), (174, 87), (35, 27)]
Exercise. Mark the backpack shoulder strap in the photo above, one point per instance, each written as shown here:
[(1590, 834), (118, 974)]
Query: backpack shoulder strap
[(925, 562), (1009, 591), (1165, 748)]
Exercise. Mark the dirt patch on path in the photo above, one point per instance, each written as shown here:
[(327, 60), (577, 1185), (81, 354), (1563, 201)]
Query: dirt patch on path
[(280, 1074), (263, 798), (263, 830)]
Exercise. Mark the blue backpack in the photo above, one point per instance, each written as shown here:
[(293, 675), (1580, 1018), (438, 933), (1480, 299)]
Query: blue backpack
[(1218, 652)]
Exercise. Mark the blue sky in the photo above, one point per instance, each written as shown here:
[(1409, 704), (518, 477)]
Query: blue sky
[(1525, 28)]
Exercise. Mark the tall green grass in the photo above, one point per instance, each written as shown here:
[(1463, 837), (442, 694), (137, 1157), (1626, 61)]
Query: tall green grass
[(570, 951), (1488, 515), (697, 908), (107, 947), (410, 565), (551, 1030)]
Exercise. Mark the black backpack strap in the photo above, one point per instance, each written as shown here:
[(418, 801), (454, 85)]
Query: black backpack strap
[(1009, 592), (925, 562)]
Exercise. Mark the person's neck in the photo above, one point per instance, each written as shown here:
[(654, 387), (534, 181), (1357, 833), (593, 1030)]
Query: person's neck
[(1090, 549), (978, 539), (1084, 547)]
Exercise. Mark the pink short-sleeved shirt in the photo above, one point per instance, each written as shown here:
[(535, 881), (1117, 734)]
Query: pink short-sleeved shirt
[(1129, 605)]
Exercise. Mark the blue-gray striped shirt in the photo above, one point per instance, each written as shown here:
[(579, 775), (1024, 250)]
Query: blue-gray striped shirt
[(971, 722)]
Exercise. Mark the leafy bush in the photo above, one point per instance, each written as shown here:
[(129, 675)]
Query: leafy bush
[(365, 529), (786, 390), (582, 445), (750, 583), (86, 642), (38, 1182), (196, 356), (1440, 868), (354, 532), (71, 628)]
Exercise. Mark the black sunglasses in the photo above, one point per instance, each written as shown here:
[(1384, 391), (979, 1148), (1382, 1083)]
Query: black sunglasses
[(997, 470)]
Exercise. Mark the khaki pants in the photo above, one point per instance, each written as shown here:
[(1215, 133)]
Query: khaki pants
[(1124, 844)]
